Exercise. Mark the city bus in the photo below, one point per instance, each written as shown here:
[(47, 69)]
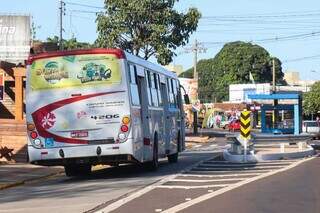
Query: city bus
[(101, 106)]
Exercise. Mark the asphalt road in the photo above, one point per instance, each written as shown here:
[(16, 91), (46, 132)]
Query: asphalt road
[(63, 194), (293, 191)]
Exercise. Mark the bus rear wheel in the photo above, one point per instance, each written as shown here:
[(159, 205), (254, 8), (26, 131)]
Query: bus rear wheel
[(154, 164), (173, 158), (72, 170)]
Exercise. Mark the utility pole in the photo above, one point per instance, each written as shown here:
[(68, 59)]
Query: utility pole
[(273, 76), (196, 48), (274, 90), (62, 13)]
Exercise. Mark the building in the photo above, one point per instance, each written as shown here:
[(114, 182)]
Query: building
[(238, 93), (293, 79), (178, 69)]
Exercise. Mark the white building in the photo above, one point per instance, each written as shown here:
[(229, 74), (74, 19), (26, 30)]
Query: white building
[(238, 93)]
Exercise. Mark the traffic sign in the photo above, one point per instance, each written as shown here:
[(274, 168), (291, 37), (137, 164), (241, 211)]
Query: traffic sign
[(245, 126)]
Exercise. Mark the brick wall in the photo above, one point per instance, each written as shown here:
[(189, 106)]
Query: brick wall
[(13, 136)]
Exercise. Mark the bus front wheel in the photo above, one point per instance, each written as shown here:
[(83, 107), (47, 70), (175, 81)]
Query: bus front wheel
[(77, 170)]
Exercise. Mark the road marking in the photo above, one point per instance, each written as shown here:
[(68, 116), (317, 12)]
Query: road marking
[(227, 175), (202, 198), (235, 167), (192, 187), (145, 190), (206, 171), (263, 162), (158, 210), (207, 180), (187, 199)]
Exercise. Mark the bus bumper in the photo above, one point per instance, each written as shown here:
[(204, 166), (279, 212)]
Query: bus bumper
[(80, 155)]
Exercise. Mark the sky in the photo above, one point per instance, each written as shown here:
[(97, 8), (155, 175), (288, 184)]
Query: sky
[(287, 29)]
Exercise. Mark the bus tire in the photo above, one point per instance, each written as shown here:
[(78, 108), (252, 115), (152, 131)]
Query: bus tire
[(174, 157), (72, 170), (154, 164)]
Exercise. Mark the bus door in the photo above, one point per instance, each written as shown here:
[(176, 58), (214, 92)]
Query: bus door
[(167, 117), (145, 114)]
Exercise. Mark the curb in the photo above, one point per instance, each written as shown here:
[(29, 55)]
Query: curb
[(19, 183)]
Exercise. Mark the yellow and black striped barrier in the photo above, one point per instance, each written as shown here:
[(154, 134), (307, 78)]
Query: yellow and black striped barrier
[(245, 126)]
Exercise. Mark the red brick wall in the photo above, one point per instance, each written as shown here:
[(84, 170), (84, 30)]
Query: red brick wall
[(14, 137)]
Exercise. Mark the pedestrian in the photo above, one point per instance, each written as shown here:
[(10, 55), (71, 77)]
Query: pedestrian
[(318, 122)]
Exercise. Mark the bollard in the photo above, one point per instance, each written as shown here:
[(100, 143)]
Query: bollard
[(300, 146), (282, 147)]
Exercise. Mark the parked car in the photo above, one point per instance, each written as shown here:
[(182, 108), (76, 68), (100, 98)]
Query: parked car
[(310, 127), (234, 126)]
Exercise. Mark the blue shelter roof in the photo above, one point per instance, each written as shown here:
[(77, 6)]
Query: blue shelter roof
[(274, 96)]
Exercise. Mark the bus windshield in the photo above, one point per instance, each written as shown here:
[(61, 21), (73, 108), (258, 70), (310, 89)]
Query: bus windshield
[(75, 71)]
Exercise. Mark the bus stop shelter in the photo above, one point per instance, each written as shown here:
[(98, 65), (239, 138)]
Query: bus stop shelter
[(295, 106)]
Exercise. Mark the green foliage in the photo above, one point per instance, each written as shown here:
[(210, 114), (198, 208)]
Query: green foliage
[(232, 65), (311, 100), (70, 44), (146, 27)]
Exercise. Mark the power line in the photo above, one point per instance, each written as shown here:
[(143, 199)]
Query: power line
[(83, 5), (301, 59)]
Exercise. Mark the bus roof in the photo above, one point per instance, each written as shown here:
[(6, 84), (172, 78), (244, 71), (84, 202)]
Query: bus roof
[(150, 65), (117, 52)]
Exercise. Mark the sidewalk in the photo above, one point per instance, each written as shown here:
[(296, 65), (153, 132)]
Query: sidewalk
[(21, 173)]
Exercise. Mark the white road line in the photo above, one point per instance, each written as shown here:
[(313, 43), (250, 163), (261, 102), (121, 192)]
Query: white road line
[(193, 187), (158, 210), (262, 162), (145, 190), (216, 172), (202, 198), (226, 175), (207, 180), (210, 166)]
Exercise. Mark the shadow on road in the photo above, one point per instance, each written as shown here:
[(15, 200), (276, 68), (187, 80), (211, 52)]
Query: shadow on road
[(120, 179)]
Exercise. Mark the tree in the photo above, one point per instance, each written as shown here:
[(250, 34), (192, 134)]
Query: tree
[(311, 100), (233, 65), (70, 44), (146, 27)]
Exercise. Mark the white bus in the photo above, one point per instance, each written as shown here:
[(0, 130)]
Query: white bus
[(101, 106)]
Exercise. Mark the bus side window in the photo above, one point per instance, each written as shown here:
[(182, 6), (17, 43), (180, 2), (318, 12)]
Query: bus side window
[(147, 78), (170, 93), (175, 93), (158, 84), (133, 85), (153, 90), (178, 96)]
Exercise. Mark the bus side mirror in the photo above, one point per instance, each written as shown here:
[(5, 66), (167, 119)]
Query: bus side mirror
[(186, 99)]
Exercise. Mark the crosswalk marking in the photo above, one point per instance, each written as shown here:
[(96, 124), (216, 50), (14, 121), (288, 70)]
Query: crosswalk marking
[(207, 180), (193, 187), (214, 193), (219, 176), (212, 176)]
